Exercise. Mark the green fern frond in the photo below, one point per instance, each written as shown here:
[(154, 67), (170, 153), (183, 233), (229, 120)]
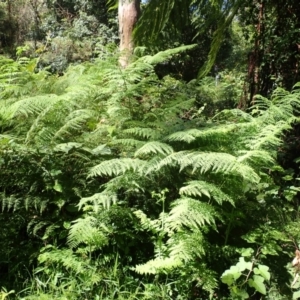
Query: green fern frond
[(200, 188), (99, 150), (190, 213), (219, 163), (154, 148), (85, 231), (206, 161), (164, 55), (146, 133), (10, 202), (158, 265), (129, 181), (64, 257), (156, 225), (44, 136), (234, 115), (268, 137), (157, 163), (185, 246), (116, 167), (33, 105), (257, 157), (217, 134), (74, 121), (99, 199), (66, 147), (128, 142), (38, 226), (182, 136)]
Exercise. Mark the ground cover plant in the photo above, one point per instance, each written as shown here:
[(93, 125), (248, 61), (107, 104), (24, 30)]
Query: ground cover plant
[(119, 185), (167, 170)]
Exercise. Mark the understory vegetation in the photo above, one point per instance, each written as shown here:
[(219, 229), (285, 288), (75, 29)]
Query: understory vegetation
[(175, 177)]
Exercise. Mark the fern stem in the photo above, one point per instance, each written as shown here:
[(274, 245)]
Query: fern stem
[(228, 229)]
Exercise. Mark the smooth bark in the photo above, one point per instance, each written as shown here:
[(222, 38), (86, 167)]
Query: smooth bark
[(129, 11)]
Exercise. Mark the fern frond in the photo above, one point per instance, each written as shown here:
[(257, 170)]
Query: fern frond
[(146, 133), (66, 147), (258, 157), (200, 188), (128, 142), (206, 161), (116, 167), (157, 163), (104, 199), (190, 213), (234, 115), (86, 231), (74, 121), (158, 265), (185, 246), (268, 137), (219, 163), (55, 107), (217, 133), (101, 150), (10, 202), (156, 225), (65, 257), (33, 105), (165, 55), (154, 148), (181, 136)]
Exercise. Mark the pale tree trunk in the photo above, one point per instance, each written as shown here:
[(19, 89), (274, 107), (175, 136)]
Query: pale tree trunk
[(129, 11)]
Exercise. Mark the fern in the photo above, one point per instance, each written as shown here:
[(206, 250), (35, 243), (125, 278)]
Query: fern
[(85, 231), (158, 265), (203, 188), (203, 162), (74, 122), (146, 133), (186, 246), (96, 200), (154, 148), (217, 134), (190, 213), (116, 167)]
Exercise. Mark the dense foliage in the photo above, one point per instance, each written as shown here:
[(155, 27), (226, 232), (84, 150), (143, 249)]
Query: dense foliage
[(152, 181)]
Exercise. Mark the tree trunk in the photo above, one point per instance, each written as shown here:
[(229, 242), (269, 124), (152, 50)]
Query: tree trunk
[(129, 11)]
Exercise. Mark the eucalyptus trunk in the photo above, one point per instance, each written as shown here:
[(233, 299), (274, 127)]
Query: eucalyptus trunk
[(129, 11)]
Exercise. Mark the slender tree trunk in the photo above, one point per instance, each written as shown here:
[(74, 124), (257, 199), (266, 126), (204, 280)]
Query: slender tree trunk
[(129, 11), (254, 58)]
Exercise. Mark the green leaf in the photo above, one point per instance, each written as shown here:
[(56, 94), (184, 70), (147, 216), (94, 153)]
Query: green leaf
[(296, 295), (264, 272), (258, 284), (231, 275), (57, 186), (238, 293), (101, 150), (227, 278), (243, 265), (66, 147), (247, 252)]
